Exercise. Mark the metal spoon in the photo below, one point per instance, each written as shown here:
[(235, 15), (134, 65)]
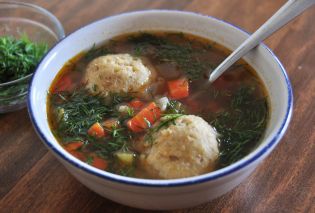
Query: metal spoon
[(285, 14)]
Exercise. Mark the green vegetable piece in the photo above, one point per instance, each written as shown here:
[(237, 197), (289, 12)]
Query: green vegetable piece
[(126, 158), (19, 57)]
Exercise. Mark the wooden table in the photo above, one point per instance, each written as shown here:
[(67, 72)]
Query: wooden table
[(32, 180)]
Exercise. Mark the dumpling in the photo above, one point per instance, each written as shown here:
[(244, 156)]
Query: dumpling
[(117, 73), (186, 148)]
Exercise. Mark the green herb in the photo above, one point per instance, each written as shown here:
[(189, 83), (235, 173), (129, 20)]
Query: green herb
[(165, 121), (241, 126), (130, 112), (19, 57), (144, 39), (173, 111), (6, 92), (117, 98), (95, 52), (175, 107), (76, 112), (79, 111), (139, 50), (66, 140), (127, 170), (117, 142), (183, 55), (89, 160)]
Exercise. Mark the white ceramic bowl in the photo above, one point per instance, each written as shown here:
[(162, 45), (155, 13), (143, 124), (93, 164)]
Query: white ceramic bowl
[(162, 194)]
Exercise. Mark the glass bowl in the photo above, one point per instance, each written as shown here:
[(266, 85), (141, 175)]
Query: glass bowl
[(16, 20)]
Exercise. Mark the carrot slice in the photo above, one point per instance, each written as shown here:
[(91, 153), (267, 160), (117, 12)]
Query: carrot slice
[(145, 118), (136, 103), (78, 155), (64, 84), (96, 130), (178, 88), (73, 146), (134, 126), (99, 163)]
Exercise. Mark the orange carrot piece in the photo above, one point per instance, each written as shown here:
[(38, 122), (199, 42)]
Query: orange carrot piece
[(78, 155), (99, 163), (136, 103), (111, 123), (64, 84), (178, 88), (96, 130), (145, 118), (73, 146)]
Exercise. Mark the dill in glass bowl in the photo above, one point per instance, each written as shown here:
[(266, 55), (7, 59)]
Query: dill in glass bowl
[(26, 33)]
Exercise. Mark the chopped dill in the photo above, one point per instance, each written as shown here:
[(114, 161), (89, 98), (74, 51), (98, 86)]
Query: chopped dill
[(89, 160), (130, 112), (95, 52), (66, 140), (175, 107), (118, 141), (77, 112), (165, 121), (19, 57), (241, 125), (166, 51), (116, 98), (127, 170)]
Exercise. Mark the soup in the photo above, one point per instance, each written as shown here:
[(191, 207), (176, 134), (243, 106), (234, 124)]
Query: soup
[(138, 106)]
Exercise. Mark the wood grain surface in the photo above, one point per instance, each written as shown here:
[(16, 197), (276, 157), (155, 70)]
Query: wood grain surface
[(32, 180)]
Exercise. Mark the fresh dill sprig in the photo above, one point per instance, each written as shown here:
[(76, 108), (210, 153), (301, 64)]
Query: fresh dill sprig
[(127, 171), (173, 111), (78, 111), (118, 141), (182, 55), (241, 126), (89, 160), (116, 98), (95, 52), (175, 107), (19, 57), (10, 91), (165, 121)]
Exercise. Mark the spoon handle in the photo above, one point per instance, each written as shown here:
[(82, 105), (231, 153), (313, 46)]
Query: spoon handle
[(286, 13)]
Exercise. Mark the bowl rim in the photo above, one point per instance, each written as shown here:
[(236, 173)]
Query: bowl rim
[(237, 166), (60, 35)]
